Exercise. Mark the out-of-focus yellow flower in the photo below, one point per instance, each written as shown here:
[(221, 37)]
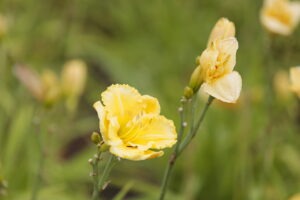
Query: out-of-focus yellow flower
[(280, 16), (131, 125), (222, 30), (74, 78), (217, 63), (281, 84), (51, 87), (44, 87), (295, 197), (3, 26), (295, 79)]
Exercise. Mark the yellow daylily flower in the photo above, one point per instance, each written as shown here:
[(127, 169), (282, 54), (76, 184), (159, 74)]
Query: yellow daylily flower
[(131, 125), (217, 63), (295, 79), (44, 87), (280, 16)]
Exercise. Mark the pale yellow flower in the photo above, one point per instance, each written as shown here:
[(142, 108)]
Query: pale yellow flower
[(295, 197), (217, 63), (295, 79), (280, 16), (131, 125), (74, 78)]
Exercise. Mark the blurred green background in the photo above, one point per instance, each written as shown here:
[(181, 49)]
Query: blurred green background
[(151, 45)]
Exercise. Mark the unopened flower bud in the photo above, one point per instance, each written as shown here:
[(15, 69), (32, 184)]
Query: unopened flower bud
[(74, 78), (188, 92), (198, 61), (95, 138), (223, 29), (196, 79), (104, 147)]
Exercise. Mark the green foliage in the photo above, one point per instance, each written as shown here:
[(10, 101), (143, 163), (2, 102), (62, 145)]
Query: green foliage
[(151, 45)]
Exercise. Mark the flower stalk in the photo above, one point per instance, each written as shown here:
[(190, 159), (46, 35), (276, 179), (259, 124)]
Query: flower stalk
[(182, 144), (41, 132), (95, 174), (100, 181), (195, 128), (174, 154), (108, 167), (99, 178)]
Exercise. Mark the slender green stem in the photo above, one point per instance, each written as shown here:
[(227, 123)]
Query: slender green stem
[(99, 181), (165, 181), (194, 130), (173, 156), (40, 138), (36, 185), (109, 165), (181, 145), (95, 174)]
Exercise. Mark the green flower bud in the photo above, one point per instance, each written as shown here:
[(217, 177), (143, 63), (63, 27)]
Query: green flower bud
[(104, 147), (196, 79), (95, 138), (188, 92)]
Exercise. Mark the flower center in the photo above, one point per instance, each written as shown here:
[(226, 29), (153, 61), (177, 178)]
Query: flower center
[(217, 70)]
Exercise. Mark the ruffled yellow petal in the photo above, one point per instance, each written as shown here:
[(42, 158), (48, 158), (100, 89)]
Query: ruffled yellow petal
[(112, 132), (223, 29), (109, 126), (102, 119), (122, 101), (132, 153), (149, 131), (125, 102), (150, 104), (226, 89)]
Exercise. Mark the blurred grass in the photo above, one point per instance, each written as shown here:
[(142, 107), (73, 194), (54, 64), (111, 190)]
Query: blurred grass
[(152, 46)]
